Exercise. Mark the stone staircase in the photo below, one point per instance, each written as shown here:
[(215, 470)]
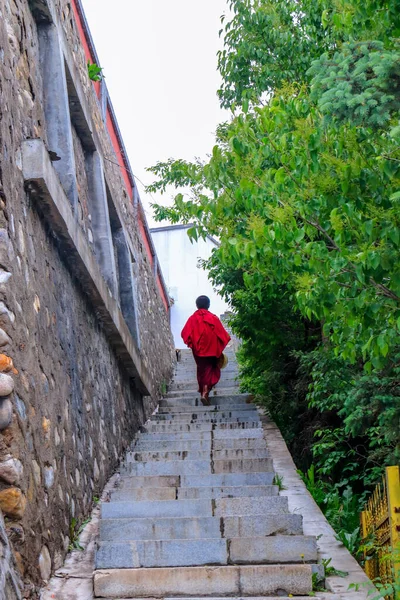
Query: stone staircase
[(195, 513)]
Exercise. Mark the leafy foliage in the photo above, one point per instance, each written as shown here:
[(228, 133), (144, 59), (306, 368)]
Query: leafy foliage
[(361, 83), (95, 72)]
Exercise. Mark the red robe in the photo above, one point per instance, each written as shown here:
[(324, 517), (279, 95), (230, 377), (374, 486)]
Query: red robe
[(207, 337)]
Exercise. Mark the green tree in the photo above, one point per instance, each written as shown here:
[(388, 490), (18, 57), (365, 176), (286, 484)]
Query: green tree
[(302, 189)]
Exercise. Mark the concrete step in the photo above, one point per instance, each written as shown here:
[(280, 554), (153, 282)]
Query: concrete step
[(270, 524), (174, 407), (249, 414), (154, 427), (247, 598), (160, 509), (150, 482), (191, 384), (239, 443), (197, 445), (262, 505), (220, 581), (220, 398), (187, 553), (149, 494), (228, 479), (227, 491), (171, 467), (194, 401), (217, 433), (220, 507), (190, 392), (187, 481), (229, 454), (200, 467), (195, 493), (190, 372), (171, 445)]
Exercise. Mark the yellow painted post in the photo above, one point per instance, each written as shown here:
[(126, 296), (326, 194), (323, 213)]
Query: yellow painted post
[(393, 493)]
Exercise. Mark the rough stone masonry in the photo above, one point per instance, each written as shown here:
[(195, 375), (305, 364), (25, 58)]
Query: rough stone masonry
[(85, 343)]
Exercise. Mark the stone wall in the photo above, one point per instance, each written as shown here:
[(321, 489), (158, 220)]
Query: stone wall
[(68, 404)]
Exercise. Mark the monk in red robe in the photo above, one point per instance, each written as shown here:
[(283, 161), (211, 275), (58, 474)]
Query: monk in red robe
[(207, 337)]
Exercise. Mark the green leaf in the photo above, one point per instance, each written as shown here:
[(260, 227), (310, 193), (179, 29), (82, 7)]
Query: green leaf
[(280, 175)]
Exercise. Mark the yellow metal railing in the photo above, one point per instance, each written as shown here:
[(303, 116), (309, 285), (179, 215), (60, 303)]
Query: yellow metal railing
[(380, 529)]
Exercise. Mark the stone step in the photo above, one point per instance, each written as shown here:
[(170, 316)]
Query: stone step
[(227, 491), (220, 507), (195, 493), (190, 392), (187, 553), (239, 443), (213, 418), (156, 509), (190, 372), (217, 433), (229, 454), (185, 383), (270, 524), (220, 433), (215, 408), (198, 445), (191, 375), (227, 479), (178, 436), (220, 398), (245, 506), (156, 481), (249, 414), (191, 427), (149, 494), (244, 580), (187, 481), (195, 401), (200, 467), (247, 598)]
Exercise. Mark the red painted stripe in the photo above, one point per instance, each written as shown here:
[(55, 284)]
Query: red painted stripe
[(118, 152), (162, 292), (82, 35), (145, 241)]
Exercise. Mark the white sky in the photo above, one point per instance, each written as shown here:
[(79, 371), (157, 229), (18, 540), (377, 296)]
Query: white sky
[(159, 60)]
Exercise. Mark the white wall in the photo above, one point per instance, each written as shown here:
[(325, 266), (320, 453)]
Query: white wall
[(178, 258)]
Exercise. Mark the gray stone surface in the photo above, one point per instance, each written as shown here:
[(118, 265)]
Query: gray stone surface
[(149, 494), (226, 507), (76, 406), (278, 549), (152, 481), (225, 581), (176, 436), (161, 553), (228, 479), (154, 455), (10, 581), (166, 508), (227, 492), (175, 408), (173, 445), (245, 465), (262, 525), (171, 467), (114, 530), (229, 454)]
